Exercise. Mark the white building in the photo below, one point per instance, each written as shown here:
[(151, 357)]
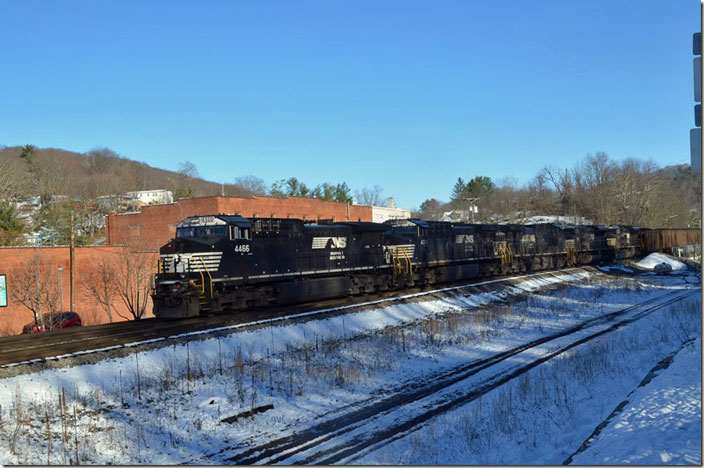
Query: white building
[(383, 213), (149, 197), (136, 198)]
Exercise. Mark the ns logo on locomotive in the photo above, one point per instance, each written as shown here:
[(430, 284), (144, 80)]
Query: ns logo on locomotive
[(224, 263)]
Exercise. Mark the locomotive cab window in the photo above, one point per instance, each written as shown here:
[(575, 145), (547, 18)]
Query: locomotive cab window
[(239, 233), (200, 231)]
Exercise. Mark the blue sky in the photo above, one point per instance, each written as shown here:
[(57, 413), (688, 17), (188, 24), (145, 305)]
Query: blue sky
[(407, 95)]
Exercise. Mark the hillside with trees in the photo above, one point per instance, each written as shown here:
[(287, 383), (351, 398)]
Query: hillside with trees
[(41, 188)]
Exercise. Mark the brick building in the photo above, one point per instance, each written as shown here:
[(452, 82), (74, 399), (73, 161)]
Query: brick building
[(15, 259), (155, 225)]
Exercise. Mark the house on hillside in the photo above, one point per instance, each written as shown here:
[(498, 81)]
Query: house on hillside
[(135, 199), (150, 197)]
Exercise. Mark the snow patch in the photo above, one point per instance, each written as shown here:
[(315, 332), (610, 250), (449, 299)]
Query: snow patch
[(662, 422), (654, 259)]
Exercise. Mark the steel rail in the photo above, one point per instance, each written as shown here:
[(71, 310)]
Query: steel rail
[(53, 346)]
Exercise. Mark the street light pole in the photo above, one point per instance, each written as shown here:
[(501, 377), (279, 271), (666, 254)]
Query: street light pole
[(61, 287)]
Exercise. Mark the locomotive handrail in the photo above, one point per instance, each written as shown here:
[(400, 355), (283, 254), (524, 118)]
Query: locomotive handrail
[(202, 278), (209, 276), (408, 261)]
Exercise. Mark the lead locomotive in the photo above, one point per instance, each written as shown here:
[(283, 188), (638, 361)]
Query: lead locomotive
[(224, 263)]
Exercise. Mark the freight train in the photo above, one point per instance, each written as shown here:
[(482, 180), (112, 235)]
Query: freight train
[(222, 263)]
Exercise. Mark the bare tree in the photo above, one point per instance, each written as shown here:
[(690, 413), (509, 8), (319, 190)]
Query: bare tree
[(563, 182), (503, 203), (35, 285), (107, 173), (248, 185), (102, 284), (596, 188), (185, 180), (542, 200), (13, 178), (371, 196), (132, 286), (47, 174)]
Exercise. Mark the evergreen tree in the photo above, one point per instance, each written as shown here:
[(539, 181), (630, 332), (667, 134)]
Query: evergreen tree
[(478, 187), (458, 189), (11, 227)]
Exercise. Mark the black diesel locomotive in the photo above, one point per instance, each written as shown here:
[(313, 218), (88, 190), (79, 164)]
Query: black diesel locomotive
[(225, 263)]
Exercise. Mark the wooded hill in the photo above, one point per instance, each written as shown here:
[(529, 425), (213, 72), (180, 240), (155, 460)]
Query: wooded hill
[(31, 171), (69, 184)]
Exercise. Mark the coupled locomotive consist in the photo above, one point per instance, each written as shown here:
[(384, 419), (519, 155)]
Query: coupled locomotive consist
[(222, 263)]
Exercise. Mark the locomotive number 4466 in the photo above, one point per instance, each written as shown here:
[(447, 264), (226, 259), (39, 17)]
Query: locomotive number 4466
[(242, 248)]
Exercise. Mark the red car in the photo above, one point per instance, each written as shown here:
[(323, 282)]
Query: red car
[(54, 321)]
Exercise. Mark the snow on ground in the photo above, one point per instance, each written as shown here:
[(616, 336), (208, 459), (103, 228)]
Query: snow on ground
[(661, 422), (653, 259), (165, 406), (264, 342), (545, 415)]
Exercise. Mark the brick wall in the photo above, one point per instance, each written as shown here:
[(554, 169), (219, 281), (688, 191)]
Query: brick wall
[(15, 315), (155, 225)]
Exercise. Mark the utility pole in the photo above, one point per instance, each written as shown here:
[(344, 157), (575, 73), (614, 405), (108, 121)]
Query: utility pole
[(73, 304), (472, 205)]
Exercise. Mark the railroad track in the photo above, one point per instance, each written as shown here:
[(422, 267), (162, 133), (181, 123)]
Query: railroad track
[(23, 350), (364, 426)]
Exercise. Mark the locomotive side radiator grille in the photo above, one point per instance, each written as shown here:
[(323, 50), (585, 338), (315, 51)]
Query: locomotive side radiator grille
[(464, 239), (191, 262)]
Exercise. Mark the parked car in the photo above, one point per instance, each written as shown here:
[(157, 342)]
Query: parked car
[(53, 321)]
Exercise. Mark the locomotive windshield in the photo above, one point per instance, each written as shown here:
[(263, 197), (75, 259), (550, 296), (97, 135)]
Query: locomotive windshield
[(201, 227), (200, 231)]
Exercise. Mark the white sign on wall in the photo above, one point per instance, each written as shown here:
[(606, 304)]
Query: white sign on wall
[(3, 291)]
